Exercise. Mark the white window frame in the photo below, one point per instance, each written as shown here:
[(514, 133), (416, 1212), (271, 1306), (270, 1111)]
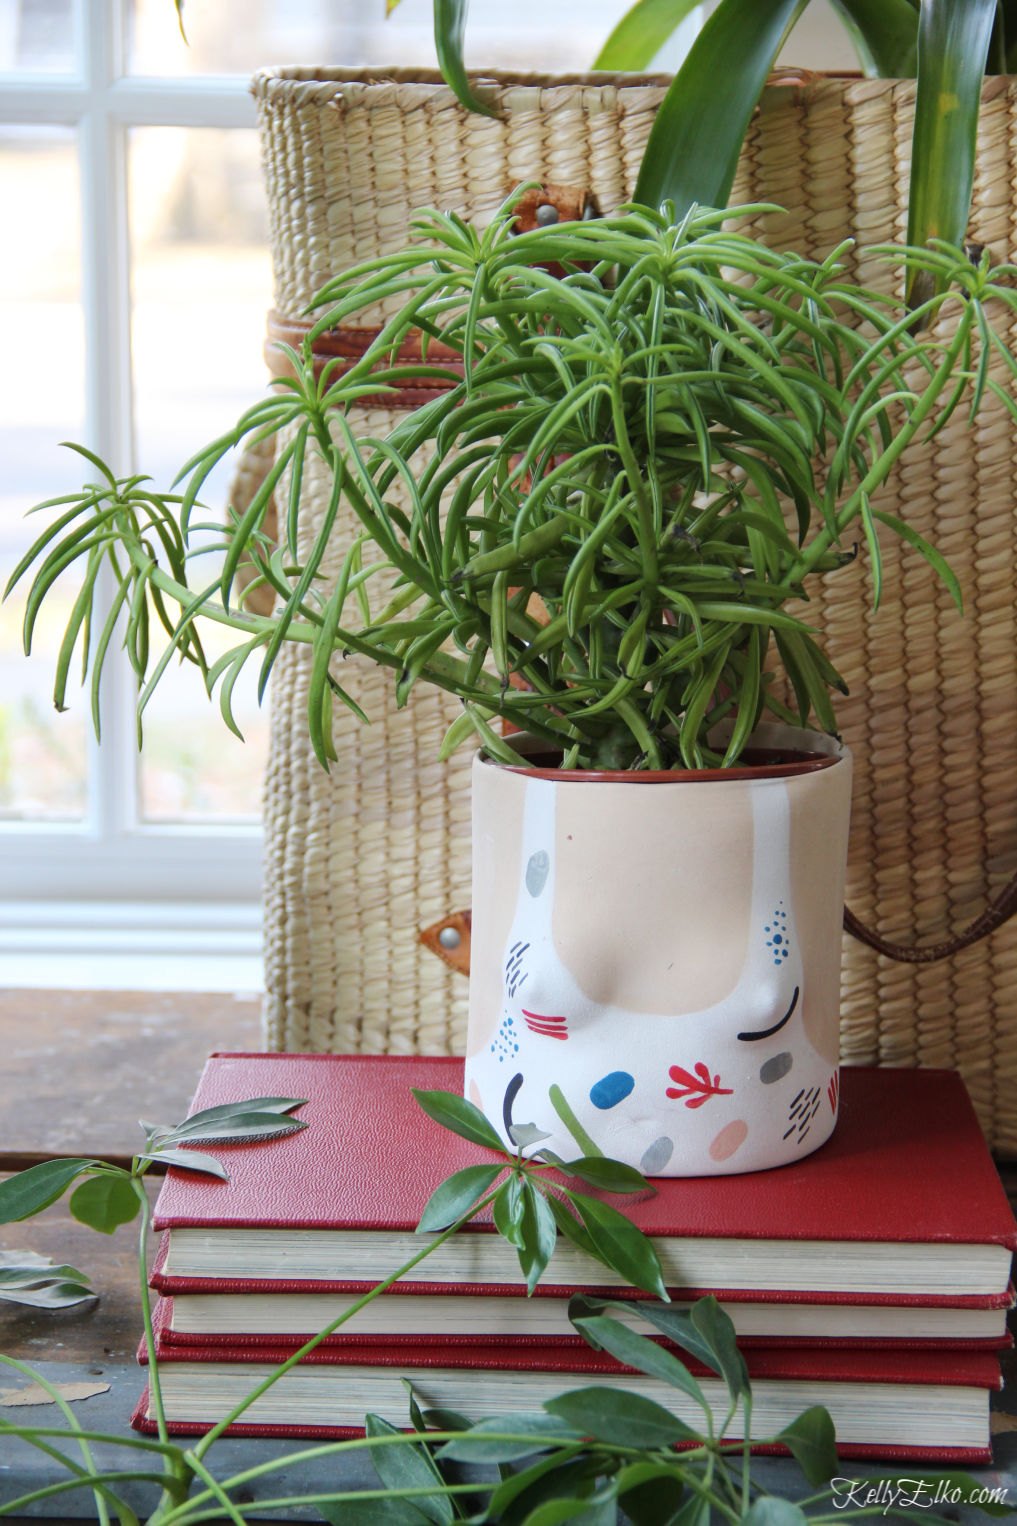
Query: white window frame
[(114, 884), (155, 876)]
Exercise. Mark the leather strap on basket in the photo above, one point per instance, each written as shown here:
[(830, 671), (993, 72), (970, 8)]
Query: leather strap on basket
[(999, 910), (341, 348)]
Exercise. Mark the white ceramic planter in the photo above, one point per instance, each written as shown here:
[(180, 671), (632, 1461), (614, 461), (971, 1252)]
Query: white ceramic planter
[(657, 957)]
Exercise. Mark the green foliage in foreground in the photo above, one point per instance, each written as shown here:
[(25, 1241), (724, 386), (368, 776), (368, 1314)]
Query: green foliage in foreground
[(600, 525), (583, 1455)]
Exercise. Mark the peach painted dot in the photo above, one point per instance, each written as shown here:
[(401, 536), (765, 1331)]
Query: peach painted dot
[(475, 1096), (731, 1138)]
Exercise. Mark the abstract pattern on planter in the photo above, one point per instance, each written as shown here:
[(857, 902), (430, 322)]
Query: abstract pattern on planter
[(730, 1083)]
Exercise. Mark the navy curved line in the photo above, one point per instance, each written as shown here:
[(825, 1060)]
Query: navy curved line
[(511, 1092), (767, 1033)]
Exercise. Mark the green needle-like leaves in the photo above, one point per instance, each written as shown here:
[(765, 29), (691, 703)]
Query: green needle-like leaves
[(598, 535)]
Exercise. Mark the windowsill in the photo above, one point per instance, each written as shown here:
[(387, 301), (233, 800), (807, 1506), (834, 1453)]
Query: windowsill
[(120, 946)]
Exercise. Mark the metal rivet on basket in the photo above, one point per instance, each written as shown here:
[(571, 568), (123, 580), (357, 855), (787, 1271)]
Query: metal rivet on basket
[(450, 937), (546, 214)]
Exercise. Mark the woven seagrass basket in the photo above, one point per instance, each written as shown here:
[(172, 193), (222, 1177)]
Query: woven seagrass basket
[(361, 859)]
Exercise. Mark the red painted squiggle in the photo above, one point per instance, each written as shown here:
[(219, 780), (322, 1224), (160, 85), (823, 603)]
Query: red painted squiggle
[(698, 1088)]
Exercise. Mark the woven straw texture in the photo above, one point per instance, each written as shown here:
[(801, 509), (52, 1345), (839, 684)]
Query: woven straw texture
[(359, 860)]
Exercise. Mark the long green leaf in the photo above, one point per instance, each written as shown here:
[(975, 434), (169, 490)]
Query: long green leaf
[(449, 30), (546, 1430), (934, 558), (618, 1417), (640, 1352), (188, 1160), (693, 148), (459, 1115), (28, 1278), (539, 1235), (456, 1195), (885, 35), (29, 1192), (642, 32), (953, 42), (409, 1466), (619, 1244)]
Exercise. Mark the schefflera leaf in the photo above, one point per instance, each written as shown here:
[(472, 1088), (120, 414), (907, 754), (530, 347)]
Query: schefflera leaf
[(104, 1201), (29, 1278), (252, 1120)]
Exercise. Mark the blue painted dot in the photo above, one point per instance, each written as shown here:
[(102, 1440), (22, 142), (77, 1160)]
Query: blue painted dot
[(777, 938), (612, 1089)]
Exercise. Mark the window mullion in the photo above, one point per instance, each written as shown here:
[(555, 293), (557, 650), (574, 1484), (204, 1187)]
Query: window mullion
[(113, 789)]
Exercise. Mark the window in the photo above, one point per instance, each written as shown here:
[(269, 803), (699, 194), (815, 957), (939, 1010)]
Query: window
[(134, 279)]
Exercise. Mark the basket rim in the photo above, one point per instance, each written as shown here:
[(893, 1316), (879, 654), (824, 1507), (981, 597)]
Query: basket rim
[(387, 75)]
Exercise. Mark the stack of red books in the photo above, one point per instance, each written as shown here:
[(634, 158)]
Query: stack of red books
[(873, 1277)]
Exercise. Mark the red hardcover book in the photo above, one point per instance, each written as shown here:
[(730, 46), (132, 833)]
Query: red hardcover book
[(892, 1404), (902, 1203)]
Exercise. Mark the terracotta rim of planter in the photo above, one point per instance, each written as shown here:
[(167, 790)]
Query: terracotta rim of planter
[(794, 762)]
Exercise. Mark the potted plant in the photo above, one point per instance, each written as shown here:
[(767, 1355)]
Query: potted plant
[(600, 528), (348, 155)]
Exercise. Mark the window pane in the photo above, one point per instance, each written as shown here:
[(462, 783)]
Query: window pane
[(201, 286), (529, 34), (43, 756), (37, 36)]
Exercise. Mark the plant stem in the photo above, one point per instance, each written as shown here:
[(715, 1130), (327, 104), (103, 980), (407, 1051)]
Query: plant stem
[(71, 1418), (82, 1480), (176, 1476), (189, 1512), (308, 1346), (441, 670)]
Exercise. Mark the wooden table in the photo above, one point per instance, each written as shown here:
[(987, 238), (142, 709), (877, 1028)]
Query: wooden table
[(76, 1072)]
